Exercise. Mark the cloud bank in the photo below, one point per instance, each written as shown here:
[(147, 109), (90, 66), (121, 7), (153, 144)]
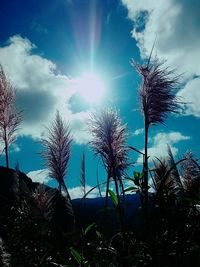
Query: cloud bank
[(41, 89), (77, 192), (159, 144), (174, 27), (42, 176), (39, 176)]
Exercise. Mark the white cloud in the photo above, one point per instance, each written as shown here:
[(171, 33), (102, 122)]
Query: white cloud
[(13, 148), (191, 92), (40, 89), (174, 27), (40, 176), (77, 192), (138, 131), (160, 144), (79, 127)]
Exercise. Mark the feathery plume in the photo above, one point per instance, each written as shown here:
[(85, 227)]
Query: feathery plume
[(109, 141), (190, 173), (158, 99), (10, 117), (157, 93), (44, 201), (57, 149)]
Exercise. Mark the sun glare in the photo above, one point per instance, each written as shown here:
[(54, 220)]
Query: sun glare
[(91, 87)]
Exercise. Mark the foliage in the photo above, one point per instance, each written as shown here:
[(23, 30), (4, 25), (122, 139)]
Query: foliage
[(190, 172), (163, 231), (166, 177), (113, 197), (44, 201), (170, 238), (4, 255)]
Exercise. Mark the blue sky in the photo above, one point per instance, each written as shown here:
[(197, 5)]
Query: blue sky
[(47, 45)]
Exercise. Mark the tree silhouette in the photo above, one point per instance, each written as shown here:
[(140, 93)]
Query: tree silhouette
[(10, 117)]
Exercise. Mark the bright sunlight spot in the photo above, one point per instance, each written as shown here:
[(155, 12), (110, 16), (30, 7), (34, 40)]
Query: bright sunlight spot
[(91, 87)]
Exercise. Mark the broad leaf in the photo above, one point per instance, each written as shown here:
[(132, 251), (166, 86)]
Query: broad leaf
[(88, 228), (76, 255), (113, 197)]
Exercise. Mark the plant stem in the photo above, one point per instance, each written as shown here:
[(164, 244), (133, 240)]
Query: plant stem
[(105, 226), (59, 188), (107, 188), (6, 148), (119, 204), (145, 166)]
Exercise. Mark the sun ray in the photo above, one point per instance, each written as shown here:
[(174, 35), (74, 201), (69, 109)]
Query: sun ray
[(95, 30)]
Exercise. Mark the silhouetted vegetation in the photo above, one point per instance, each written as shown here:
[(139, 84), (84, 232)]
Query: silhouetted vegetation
[(41, 226), (10, 117), (57, 152), (158, 99), (109, 142)]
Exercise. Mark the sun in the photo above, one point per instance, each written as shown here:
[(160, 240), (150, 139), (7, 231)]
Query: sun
[(91, 87)]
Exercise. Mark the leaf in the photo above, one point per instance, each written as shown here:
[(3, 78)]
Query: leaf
[(131, 188), (136, 175), (98, 234), (113, 197), (93, 189), (141, 175), (133, 148), (89, 228), (76, 255), (82, 176)]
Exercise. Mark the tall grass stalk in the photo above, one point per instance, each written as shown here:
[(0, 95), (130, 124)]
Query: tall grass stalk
[(82, 175), (109, 142), (10, 117), (57, 151), (158, 99)]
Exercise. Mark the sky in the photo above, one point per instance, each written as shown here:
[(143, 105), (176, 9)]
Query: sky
[(57, 53)]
